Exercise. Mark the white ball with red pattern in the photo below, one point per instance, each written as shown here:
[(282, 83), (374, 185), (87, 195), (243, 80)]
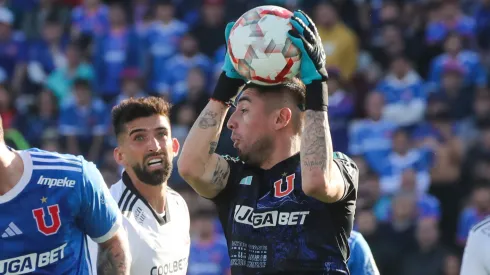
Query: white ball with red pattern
[(259, 47)]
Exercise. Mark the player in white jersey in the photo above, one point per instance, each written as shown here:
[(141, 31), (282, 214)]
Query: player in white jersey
[(476, 258), (156, 217)]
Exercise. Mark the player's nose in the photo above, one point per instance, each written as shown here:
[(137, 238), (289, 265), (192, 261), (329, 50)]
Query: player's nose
[(154, 145), (231, 124)]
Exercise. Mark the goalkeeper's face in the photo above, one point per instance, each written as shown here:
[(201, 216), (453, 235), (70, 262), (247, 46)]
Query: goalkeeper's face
[(254, 128), (148, 149)]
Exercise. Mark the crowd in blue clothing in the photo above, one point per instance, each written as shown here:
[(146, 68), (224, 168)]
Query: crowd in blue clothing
[(414, 115)]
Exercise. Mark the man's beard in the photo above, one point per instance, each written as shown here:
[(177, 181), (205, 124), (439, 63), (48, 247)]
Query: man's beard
[(259, 151), (157, 177)]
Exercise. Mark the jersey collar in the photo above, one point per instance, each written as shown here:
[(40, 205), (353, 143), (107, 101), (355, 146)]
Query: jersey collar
[(129, 184)]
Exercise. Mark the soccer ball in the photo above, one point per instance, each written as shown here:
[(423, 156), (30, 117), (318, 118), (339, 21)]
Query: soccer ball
[(259, 47)]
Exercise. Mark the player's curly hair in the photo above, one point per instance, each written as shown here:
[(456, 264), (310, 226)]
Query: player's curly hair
[(134, 108)]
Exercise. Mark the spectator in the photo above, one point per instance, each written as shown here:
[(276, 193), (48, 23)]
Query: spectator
[(477, 156), (372, 137), (381, 246), (429, 257), (144, 25), (40, 118), (196, 94), (34, 20), (382, 13), (427, 205), (115, 50), (474, 72), (452, 264), (177, 69), (404, 93), (482, 19), (405, 157), (7, 111), (369, 192), (341, 110), (391, 46), (455, 93), (208, 254), (476, 211), (90, 19), (162, 41), (48, 52), (61, 79), (400, 230), (451, 20), (469, 129), (439, 131), (340, 43), (83, 122), (131, 85), (217, 59), (209, 30), (13, 51), (139, 10)]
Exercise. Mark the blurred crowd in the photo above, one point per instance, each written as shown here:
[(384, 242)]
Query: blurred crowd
[(409, 102)]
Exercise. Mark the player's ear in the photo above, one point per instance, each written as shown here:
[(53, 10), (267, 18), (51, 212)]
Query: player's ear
[(118, 156), (175, 146), (282, 118)]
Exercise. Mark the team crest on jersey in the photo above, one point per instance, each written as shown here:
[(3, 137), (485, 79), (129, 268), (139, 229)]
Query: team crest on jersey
[(39, 216), (279, 191)]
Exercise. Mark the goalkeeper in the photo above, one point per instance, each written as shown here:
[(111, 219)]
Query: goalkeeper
[(287, 203)]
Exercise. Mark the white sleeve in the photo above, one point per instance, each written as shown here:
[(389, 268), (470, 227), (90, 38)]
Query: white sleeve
[(476, 258)]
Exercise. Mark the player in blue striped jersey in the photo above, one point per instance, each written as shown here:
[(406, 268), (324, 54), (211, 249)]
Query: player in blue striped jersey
[(49, 204), (361, 261)]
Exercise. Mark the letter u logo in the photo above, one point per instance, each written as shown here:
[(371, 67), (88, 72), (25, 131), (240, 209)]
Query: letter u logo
[(278, 192), (54, 213)]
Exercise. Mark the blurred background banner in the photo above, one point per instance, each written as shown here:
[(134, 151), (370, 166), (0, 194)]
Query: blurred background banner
[(409, 102)]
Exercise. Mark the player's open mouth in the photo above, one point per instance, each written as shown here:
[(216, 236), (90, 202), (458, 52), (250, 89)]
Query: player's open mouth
[(155, 162)]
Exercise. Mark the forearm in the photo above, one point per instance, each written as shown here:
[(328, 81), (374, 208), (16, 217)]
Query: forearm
[(114, 257), (316, 145), (202, 139)]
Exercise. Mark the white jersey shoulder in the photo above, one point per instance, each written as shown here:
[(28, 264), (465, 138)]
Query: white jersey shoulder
[(159, 242), (476, 258)]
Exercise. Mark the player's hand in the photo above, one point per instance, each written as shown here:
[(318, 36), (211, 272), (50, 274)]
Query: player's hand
[(304, 35), (227, 66)]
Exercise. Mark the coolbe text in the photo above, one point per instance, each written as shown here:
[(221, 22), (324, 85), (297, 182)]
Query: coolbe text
[(169, 268)]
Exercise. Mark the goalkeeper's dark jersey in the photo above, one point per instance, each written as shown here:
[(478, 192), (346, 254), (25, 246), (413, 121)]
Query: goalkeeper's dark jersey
[(272, 227)]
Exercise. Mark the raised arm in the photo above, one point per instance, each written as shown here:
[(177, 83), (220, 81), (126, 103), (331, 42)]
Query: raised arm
[(114, 257), (321, 178), (198, 165)]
